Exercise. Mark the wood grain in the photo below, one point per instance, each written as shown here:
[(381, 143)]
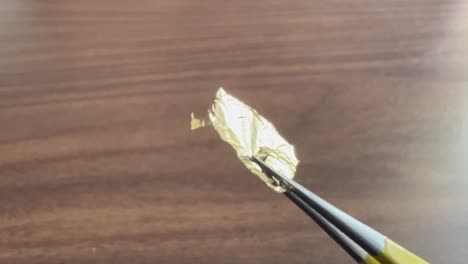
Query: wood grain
[(97, 164)]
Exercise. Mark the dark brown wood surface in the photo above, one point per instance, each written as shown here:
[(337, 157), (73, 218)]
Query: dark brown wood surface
[(97, 163)]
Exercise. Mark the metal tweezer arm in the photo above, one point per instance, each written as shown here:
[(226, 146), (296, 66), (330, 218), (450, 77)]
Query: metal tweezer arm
[(363, 243), (354, 250)]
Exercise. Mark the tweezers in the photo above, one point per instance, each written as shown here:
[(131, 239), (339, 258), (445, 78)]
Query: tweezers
[(361, 242)]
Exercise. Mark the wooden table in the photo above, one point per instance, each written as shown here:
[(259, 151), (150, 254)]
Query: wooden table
[(97, 163)]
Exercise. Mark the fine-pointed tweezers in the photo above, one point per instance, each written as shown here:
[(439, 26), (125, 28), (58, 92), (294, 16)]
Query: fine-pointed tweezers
[(360, 241)]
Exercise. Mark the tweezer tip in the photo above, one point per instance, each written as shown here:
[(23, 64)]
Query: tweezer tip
[(277, 177)]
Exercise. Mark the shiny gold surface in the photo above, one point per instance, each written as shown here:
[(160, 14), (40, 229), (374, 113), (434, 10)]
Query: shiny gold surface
[(251, 135)]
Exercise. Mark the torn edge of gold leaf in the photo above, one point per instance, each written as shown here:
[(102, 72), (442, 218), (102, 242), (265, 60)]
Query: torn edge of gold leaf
[(196, 123)]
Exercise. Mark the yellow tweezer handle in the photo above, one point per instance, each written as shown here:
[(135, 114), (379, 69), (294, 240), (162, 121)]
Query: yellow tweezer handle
[(394, 254), (369, 260)]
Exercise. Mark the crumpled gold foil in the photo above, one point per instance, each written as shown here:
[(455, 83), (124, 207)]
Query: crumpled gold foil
[(250, 134)]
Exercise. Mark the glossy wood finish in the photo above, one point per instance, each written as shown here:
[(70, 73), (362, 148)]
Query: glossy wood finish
[(97, 164)]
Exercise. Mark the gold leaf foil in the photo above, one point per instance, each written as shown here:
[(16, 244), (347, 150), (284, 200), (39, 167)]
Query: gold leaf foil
[(197, 122), (250, 134)]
